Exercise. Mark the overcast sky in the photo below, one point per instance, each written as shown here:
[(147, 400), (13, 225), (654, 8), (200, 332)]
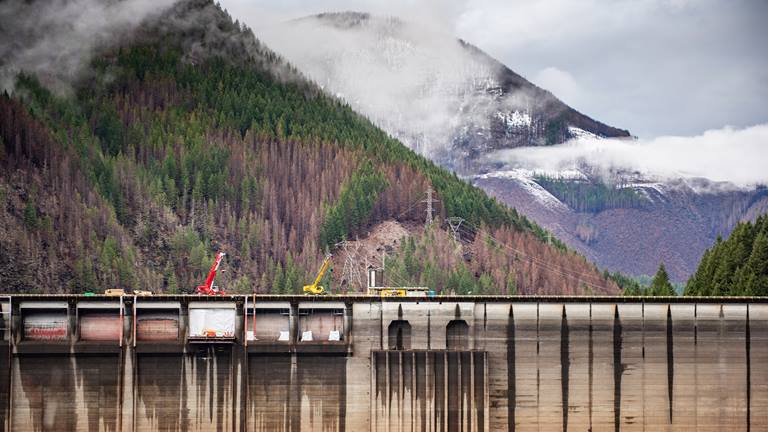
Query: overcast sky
[(655, 67)]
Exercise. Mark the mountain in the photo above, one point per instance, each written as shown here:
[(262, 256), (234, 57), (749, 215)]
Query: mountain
[(633, 230), (187, 136), (441, 96), (451, 102)]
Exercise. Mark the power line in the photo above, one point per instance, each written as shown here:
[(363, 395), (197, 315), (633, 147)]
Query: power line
[(417, 201), (399, 279), (351, 271), (462, 225), (575, 275), (521, 254), (458, 225)]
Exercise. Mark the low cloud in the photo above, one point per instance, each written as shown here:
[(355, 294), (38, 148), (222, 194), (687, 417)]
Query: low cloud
[(654, 67), (413, 79), (561, 83), (723, 155), (55, 39)]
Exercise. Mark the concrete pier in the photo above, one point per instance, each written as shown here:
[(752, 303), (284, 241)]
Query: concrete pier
[(352, 363)]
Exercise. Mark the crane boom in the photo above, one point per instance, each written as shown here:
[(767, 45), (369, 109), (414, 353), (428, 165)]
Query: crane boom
[(207, 288), (315, 288)]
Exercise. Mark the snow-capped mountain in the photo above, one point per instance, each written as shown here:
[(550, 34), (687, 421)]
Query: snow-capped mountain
[(439, 95), (462, 108)]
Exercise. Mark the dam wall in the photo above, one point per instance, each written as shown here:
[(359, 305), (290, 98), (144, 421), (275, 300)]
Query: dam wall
[(353, 363)]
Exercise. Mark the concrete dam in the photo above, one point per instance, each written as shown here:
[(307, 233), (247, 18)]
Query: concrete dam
[(360, 363)]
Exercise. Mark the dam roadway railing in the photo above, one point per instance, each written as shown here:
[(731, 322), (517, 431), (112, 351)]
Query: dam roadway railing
[(355, 362)]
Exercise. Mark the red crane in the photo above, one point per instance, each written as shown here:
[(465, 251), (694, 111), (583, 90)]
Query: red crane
[(208, 288)]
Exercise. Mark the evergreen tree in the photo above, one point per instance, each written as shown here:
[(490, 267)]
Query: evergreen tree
[(660, 286), (511, 284), (171, 285), (293, 277), (31, 218), (485, 285), (461, 280), (278, 280), (753, 279), (109, 129), (736, 266)]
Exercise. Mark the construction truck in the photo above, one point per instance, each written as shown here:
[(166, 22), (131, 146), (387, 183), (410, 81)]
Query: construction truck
[(377, 288), (315, 288), (208, 288), (399, 291)]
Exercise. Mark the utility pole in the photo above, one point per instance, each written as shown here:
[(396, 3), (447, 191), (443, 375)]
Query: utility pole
[(383, 259)]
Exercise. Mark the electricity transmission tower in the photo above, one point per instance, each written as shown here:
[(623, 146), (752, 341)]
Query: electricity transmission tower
[(351, 271), (430, 210), (454, 222)]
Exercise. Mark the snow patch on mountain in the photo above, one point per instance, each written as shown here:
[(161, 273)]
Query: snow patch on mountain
[(652, 191), (515, 119), (578, 133), (525, 178)]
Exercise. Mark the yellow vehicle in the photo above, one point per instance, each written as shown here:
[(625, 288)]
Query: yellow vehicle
[(398, 291), (376, 287), (392, 292), (315, 288)]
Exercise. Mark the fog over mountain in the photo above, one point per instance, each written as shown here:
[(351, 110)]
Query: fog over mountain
[(654, 67), (55, 39), (439, 95), (405, 77), (726, 155)]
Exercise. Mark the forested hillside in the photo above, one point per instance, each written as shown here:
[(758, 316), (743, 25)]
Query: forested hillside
[(591, 195), (736, 266), (192, 137)]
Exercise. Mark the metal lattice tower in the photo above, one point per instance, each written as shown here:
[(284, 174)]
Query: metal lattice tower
[(430, 210), (351, 271), (454, 223)]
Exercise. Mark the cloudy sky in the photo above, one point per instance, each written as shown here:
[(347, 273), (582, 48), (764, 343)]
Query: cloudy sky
[(655, 67)]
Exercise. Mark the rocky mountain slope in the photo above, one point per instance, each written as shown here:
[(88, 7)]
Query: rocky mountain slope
[(188, 136), (440, 96), (668, 222)]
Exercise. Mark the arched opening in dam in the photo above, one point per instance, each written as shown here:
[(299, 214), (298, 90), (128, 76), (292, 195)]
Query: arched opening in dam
[(457, 335), (399, 335)]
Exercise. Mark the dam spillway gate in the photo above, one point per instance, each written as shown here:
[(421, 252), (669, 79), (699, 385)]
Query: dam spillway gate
[(354, 363)]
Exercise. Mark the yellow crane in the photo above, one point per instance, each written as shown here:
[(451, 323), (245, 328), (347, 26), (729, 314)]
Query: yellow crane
[(315, 288)]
